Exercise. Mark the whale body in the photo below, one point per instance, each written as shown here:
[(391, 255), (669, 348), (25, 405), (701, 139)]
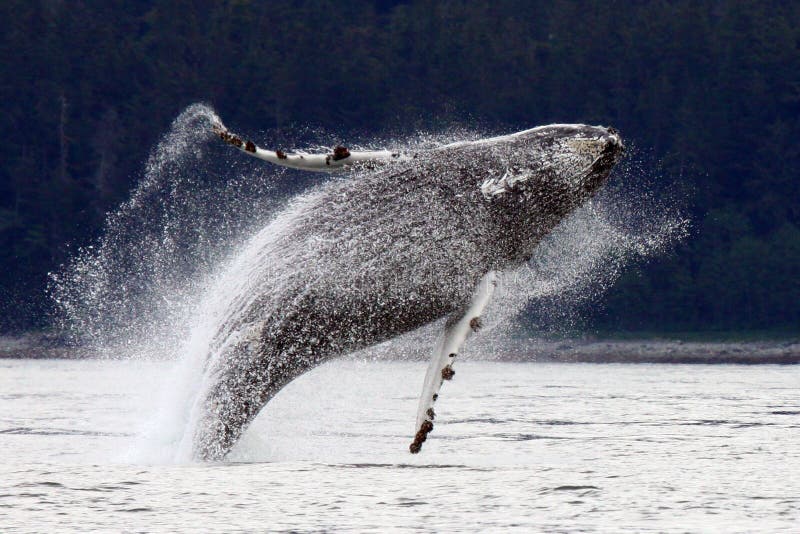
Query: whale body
[(382, 251)]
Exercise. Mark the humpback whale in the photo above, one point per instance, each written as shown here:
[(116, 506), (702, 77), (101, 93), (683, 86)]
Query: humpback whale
[(392, 243)]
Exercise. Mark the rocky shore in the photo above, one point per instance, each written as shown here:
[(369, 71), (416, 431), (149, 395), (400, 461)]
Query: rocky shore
[(654, 351), (44, 346), (37, 345)]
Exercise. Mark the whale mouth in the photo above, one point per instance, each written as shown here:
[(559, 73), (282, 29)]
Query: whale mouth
[(612, 152), (606, 147)]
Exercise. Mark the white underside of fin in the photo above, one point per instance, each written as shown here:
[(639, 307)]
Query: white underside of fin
[(338, 159), (456, 331), (325, 162)]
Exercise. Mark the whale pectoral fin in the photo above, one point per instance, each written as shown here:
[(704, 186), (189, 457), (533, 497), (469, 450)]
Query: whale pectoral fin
[(457, 328), (338, 159)]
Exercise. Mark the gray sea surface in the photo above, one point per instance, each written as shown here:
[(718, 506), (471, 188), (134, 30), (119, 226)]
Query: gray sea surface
[(531, 447)]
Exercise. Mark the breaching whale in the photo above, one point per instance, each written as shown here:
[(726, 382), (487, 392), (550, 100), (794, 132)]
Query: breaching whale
[(397, 241)]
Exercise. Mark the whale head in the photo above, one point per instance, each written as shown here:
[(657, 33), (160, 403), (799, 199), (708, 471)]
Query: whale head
[(568, 161), (532, 179)]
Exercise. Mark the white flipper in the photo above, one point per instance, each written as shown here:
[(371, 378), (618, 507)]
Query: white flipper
[(456, 331), (339, 159)]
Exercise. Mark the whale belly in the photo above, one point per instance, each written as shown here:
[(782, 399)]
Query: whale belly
[(317, 323)]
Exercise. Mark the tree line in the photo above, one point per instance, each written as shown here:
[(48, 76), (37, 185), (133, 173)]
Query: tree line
[(711, 88)]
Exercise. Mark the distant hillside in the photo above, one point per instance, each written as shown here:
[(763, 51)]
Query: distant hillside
[(711, 89)]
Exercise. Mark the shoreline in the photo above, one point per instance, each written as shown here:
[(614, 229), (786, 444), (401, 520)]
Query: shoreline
[(645, 350), (656, 351)]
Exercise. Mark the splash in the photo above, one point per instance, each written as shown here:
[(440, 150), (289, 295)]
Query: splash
[(181, 261), (130, 293), (626, 223)]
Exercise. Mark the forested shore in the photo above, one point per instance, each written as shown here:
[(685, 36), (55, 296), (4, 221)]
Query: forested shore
[(711, 90), (649, 349)]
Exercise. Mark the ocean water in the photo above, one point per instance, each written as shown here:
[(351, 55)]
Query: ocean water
[(517, 446)]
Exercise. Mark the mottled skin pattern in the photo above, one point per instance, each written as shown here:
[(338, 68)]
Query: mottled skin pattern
[(380, 253)]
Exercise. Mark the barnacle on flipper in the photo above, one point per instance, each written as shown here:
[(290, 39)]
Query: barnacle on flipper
[(447, 372)]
